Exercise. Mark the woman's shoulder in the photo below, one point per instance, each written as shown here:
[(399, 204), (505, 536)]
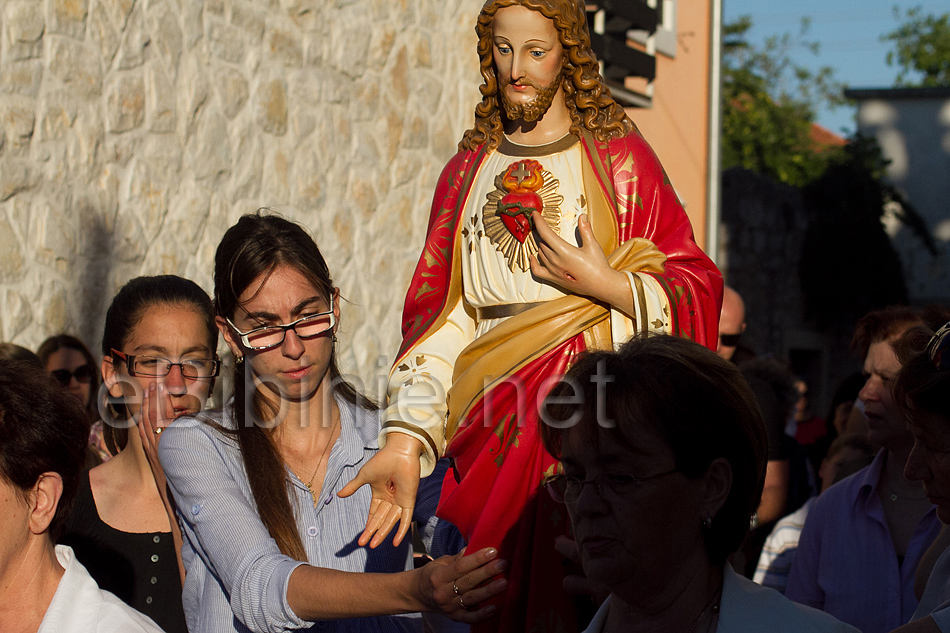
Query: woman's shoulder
[(747, 606)]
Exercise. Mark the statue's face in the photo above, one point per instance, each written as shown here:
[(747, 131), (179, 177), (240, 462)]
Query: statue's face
[(527, 54)]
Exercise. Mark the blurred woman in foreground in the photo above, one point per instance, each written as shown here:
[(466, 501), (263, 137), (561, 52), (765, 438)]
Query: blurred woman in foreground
[(670, 438), (922, 390)]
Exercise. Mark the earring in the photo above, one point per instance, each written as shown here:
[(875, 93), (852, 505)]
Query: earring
[(707, 523), (239, 360)]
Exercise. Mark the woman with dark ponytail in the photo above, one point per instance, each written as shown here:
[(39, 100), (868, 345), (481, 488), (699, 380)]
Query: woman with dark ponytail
[(268, 543)]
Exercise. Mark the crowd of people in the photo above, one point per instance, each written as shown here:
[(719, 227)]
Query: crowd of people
[(603, 452)]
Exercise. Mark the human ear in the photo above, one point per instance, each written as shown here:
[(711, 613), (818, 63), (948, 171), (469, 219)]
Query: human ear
[(336, 308), (717, 482), (44, 499), (109, 378), (227, 333)]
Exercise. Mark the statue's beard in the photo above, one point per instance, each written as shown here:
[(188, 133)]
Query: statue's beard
[(534, 109)]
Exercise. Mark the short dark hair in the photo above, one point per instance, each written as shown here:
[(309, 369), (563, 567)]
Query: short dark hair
[(693, 399), (12, 351), (920, 386), (886, 325), (42, 429)]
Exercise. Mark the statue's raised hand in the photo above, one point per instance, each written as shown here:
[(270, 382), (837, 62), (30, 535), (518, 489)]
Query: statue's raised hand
[(579, 270)]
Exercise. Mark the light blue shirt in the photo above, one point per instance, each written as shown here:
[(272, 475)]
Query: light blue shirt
[(846, 563), (236, 576), (746, 607)]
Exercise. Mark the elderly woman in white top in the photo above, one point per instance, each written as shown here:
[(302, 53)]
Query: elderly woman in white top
[(670, 440), (44, 589)]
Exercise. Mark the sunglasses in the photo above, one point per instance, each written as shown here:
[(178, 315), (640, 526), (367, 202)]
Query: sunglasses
[(937, 348), (83, 374), (729, 340)]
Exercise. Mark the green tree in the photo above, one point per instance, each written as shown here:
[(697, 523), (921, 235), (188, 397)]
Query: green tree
[(923, 48), (769, 105)]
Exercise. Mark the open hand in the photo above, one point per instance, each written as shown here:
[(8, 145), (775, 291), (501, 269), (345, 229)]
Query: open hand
[(393, 475), (154, 417), (455, 585), (582, 270)]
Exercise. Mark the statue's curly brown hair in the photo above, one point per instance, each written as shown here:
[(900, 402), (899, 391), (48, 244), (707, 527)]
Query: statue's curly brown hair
[(588, 98)]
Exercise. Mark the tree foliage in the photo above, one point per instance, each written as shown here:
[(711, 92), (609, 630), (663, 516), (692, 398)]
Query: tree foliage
[(922, 48), (848, 265), (769, 104)]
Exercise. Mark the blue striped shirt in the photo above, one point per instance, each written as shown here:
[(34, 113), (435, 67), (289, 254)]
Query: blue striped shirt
[(237, 578)]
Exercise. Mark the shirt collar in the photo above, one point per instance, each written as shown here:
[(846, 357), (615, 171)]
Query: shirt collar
[(870, 479)]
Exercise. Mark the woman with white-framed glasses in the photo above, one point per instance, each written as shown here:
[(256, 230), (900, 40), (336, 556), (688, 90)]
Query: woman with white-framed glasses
[(270, 544), (159, 363)]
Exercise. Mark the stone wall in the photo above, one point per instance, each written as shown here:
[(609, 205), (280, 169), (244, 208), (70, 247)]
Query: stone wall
[(134, 132)]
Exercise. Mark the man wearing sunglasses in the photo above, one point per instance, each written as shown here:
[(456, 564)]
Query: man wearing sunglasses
[(731, 327)]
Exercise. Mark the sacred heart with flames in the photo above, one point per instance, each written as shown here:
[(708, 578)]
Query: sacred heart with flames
[(525, 187)]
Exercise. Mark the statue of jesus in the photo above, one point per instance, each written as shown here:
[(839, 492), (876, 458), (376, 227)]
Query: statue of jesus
[(553, 230)]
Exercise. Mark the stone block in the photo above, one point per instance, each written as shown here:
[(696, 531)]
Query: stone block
[(226, 42), (245, 181), (22, 78), (15, 176), (56, 315), (232, 90), (16, 312), (11, 256), (215, 7), (103, 33), (132, 49), (399, 77), (284, 48), (23, 26), (276, 177), (147, 193), (193, 92), (421, 51), (76, 66), (208, 155), (308, 15), (67, 17), (118, 11), (125, 103), (272, 107), (245, 17), (303, 121), (160, 100), (17, 121), (310, 176), (166, 35)]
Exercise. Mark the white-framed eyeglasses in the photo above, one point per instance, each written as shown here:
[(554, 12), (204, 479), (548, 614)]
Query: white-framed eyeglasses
[(270, 336)]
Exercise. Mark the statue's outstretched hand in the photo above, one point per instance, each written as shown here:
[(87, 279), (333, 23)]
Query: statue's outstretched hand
[(393, 474), (582, 270)]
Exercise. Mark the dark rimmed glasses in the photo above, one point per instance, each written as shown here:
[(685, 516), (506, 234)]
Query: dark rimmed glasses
[(567, 488), (83, 374), (156, 367), (270, 336), (937, 348)]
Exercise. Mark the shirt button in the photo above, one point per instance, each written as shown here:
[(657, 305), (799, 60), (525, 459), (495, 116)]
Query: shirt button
[(154, 558), (313, 530), (154, 580), (195, 509), (148, 600), (156, 539)]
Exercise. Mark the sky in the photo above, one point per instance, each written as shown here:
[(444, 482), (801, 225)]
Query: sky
[(848, 33)]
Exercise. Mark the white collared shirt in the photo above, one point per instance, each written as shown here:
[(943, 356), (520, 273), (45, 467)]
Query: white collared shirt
[(79, 606)]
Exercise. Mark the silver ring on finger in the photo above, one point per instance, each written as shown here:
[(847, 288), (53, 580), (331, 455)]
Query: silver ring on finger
[(455, 588), (463, 605)]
